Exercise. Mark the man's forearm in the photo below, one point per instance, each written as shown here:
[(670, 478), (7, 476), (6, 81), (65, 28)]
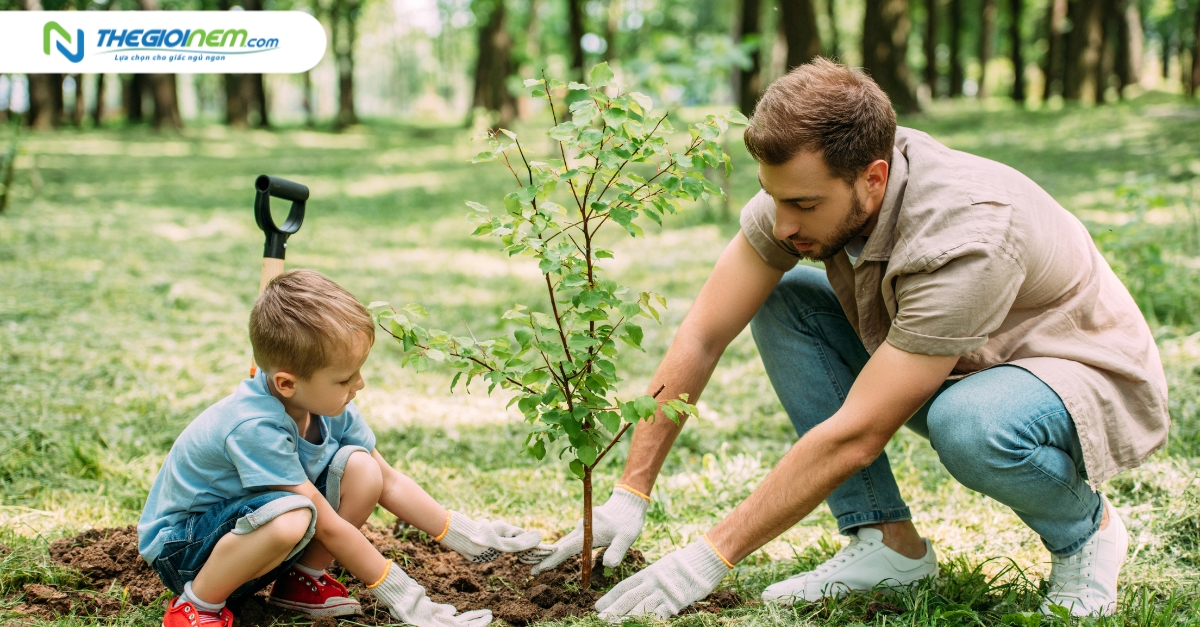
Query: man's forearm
[(811, 470), (685, 370)]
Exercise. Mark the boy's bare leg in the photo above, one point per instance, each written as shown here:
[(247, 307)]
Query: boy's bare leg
[(237, 559), (362, 483)]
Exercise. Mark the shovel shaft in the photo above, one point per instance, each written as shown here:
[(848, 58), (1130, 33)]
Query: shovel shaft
[(271, 268)]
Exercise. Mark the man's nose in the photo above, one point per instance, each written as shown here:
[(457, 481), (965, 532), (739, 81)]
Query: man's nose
[(785, 225)]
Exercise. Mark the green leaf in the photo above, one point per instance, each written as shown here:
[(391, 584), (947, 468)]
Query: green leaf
[(484, 156), (614, 116), (544, 321), (621, 215), (574, 86), (736, 117), (416, 310), (601, 253), (644, 101), (630, 309), (538, 449), (435, 354), (645, 406), (1023, 619), (577, 468), (610, 419), (524, 337), (600, 75), (564, 132), (633, 335), (483, 229), (581, 342), (693, 187), (538, 93), (530, 82), (476, 206), (587, 454), (454, 381)]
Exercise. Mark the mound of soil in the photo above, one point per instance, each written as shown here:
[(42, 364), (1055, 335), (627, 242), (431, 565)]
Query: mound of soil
[(109, 556)]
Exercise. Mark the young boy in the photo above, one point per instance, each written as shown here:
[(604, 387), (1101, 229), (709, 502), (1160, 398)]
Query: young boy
[(273, 482)]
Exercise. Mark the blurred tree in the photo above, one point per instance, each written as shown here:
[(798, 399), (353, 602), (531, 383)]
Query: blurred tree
[(987, 28), (575, 36), (45, 91), (1015, 42), (494, 64), (245, 95), (1195, 54), (1130, 44), (799, 20), (885, 51), (930, 45), (747, 32), (956, 64), (344, 17), (834, 51), (1084, 47), (1054, 64), (162, 87)]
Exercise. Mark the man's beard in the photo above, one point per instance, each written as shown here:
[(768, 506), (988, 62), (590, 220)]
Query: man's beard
[(849, 228)]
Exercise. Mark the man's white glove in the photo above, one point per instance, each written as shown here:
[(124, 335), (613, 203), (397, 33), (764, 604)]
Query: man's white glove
[(616, 524), (407, 602), (672, 583), (485, 540)]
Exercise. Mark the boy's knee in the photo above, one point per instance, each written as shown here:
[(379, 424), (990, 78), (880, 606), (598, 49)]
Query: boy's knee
[(362, 475), (290, 527)]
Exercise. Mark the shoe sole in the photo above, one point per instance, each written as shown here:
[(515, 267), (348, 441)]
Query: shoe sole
[(837, 590), (349, 608)]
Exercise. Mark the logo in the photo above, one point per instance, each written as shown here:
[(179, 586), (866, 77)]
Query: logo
[(54, 27)]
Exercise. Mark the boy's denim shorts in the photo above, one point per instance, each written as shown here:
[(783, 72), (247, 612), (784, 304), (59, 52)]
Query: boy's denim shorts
[(189, 543)]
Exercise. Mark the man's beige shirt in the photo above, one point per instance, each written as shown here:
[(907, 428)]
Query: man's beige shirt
[(970, 257)]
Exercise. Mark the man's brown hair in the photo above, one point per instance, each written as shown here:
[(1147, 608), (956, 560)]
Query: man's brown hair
[(302, 320), (826, 107)]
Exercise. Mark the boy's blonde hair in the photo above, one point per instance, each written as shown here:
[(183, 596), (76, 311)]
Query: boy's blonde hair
[(302, 320)]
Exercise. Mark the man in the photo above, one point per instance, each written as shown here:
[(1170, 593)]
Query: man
[(958, 298)]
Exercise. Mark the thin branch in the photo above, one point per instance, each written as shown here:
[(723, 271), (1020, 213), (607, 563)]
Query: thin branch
[(490, 368), (510, 169), (522, 151), (558, 321), (618, 172), (617, 438), (561, 150)]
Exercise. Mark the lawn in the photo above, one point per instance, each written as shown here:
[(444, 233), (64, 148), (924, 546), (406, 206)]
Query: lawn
[(129, 262)]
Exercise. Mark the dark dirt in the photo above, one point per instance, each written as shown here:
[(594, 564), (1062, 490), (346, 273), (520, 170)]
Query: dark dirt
[(109, 556)]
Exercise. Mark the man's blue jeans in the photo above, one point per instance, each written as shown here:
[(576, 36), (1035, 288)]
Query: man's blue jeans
[(1000, 432)]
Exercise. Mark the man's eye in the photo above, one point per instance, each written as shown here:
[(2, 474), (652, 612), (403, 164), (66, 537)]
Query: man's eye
[(801, 208)]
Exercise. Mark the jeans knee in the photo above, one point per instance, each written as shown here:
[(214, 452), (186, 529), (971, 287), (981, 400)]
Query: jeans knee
[(967, 446)]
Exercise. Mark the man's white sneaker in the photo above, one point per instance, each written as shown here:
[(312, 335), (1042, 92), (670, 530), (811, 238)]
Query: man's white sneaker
[(861, 565), (1086, 583)]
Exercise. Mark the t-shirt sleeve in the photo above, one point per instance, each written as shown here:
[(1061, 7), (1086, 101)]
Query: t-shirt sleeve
[(264, 454), (355, 430), (953, 307), (758, 225)]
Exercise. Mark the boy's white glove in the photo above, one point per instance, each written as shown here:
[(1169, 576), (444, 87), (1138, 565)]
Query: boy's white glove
[(672, 583), (485, 540), (616, 525), (407, 602)]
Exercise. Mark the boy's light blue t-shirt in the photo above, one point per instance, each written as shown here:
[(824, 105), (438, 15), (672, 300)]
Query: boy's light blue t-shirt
[(239, 446)]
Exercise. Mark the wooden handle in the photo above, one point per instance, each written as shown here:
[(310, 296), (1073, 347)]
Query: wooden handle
[(271, 268)]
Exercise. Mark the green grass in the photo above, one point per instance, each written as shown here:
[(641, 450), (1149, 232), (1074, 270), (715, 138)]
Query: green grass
[(129, 262)]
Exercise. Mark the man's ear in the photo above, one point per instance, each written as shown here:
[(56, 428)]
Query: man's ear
[(876, 177), (285, 383)]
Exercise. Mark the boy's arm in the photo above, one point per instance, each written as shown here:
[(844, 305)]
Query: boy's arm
[(409, 501), (340, 538)]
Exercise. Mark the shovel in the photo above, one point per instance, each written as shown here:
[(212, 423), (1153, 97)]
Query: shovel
[(276, 236)]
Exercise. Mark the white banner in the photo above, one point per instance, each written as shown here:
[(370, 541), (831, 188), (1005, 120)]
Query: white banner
[(159, 42)]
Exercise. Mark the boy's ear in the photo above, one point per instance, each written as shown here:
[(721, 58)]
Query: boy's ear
[(285, 383)]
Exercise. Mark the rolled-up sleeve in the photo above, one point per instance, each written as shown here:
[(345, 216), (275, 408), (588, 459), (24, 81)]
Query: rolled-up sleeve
[(956, 301), (758, 225)]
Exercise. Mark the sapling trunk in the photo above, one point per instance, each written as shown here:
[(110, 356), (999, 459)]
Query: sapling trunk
[(585, 558)]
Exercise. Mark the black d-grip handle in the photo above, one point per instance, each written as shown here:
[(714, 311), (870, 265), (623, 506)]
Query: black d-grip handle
[(283, 189)]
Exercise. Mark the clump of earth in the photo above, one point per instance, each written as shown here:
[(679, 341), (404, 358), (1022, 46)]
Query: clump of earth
[(109, 561)]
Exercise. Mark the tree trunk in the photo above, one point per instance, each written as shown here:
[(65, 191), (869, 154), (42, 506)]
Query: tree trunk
[(345, 64), (1053, 65), (259, 81), (746, 83), (309, 113), (800, 25), (166, 101), (45, 101), (98, 110), (495, 66), (237, 110), (1084, 50), (1107, 64), (1130, 43), (885, 48), (987, 29), (956, 65), (585, 557), (1018, 59), (931, 31), (835, 45), (1196, 56), (575, 34)]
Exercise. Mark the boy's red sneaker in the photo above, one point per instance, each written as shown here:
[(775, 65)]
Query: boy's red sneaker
[(186, 615), (325, 596)]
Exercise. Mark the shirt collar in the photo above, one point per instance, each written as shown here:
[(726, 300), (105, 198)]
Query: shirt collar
[(882, 239)]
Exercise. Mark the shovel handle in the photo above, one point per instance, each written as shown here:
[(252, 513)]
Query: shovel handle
[(271, 268)]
